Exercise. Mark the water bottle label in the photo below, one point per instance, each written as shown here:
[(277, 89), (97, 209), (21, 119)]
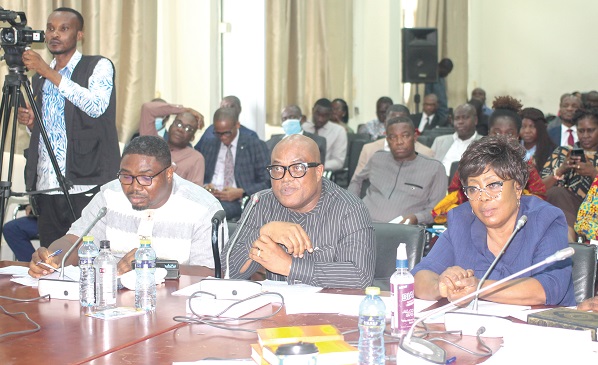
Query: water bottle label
[(145, 264), (85, 261), (403, 302), (372, 321)]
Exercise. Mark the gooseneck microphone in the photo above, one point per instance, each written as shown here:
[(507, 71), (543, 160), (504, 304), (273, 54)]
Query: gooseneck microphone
[(520, 223), (233, 241), (429, 351), (100, 215), (216, 223)]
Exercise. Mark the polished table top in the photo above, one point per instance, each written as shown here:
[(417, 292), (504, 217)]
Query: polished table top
[(68, 336)]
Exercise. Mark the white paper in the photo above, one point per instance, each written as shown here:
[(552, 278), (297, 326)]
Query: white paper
[(14, 270), (484, 307), (282, 287), (70, 273)]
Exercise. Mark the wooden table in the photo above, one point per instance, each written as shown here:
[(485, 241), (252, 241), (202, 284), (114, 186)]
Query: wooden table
[(69, 337)]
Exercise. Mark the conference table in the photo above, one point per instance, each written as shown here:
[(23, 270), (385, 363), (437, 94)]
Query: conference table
[(68, 336)]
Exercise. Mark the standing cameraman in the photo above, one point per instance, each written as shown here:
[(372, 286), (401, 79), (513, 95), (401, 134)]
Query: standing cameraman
[(76, 97)]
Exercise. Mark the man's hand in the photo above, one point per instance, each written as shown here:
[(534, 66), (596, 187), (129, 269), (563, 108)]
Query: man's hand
[(38, 271), (590, 305), (271, 256), (34, 62), (412, 219), (450, 280), (124, 265), (228, 194), (26, 117), (290, 235)]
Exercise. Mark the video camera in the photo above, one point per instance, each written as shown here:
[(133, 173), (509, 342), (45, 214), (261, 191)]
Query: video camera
[(14, 39)]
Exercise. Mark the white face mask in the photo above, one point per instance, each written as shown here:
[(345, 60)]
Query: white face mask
[(291, 126), (159, 122)]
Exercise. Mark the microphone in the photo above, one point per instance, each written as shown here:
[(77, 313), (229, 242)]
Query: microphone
[(216, 222), (233, 241), (520, 223), (431, 352), (61, 288)]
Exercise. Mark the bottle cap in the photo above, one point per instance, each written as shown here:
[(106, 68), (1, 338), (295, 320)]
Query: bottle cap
[(87, 238), (372, 290), (402, 262), (145, 241), (104, 244)]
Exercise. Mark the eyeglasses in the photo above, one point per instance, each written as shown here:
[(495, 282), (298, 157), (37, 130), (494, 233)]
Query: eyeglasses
[(187, 128), (222, 134), (141, 180), (296, 170), (492, 190)]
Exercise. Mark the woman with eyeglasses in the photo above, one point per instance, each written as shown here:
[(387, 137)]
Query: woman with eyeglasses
[(493, 173), (569, 172)]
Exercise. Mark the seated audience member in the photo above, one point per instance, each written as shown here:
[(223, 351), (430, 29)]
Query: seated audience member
[(402, 183), (18, 234), (235, 162), (429, 118), (448, 149), (566, 176), (156, 113), (375, 127), (230, 101), (482, 126), (590, 305), (336, 137), (506, 121), (480, 94), (291, 124), (534, 137), (189, 163), (587, 215), (368, 150), (493, 174), (148, 199), (340, 114), (562, 130), (591, 100), (305, 229)]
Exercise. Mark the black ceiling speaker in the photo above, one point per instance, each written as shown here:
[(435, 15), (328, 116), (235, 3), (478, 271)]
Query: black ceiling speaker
[(420, 55)]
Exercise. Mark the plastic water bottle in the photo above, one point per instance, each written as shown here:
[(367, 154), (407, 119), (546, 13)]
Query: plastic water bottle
[(87, 253), (105, 271), (145, 267), (372, 322), (401, 295)]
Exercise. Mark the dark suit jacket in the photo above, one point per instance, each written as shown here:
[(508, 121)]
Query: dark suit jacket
[(555, 135), (320, 141), (436, 122), (250, 162)]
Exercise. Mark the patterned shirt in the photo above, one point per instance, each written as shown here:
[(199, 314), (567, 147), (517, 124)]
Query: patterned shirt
[(93, 101), (587, 215), (374, 128), (571, 180), (339, 228), (175, 234)]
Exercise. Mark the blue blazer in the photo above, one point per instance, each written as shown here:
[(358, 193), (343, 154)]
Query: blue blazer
[(250, 162), (555, 135)]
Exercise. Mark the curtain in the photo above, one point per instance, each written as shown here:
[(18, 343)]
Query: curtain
[(309, 53), (123, 31), (450, 18)]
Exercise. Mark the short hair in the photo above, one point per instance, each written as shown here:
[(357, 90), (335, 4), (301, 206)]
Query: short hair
[(152, 146), (235, 100), (504, 155), (293, 108), (569, 95), (226, 114), (397, 108), (398, 120), (446, 63), (345, 109), (384, 100), (585, 113), (506, 107), (544, 145), (324, 103), (72, 11)]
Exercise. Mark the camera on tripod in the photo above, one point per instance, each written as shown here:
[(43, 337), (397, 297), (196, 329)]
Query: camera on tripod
[(14, 39)]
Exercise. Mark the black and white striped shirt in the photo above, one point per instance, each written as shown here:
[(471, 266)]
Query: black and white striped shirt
[(339, 228)]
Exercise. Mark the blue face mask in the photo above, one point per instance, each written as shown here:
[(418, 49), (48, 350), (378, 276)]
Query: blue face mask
[(291, 126), (159, 123)]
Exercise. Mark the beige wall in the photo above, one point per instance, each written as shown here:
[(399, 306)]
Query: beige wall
[(534, 50)]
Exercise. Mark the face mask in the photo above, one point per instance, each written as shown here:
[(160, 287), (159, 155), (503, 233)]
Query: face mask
[(159, 123), (291, 126)]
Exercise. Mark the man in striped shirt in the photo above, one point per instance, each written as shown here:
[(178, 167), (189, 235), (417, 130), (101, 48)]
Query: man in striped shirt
[(305, 229)]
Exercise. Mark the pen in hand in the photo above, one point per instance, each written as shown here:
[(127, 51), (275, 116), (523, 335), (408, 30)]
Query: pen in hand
[(57, 252)]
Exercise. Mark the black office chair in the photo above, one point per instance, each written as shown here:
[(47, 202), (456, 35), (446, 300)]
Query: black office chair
[(388, 237), (584, 270)]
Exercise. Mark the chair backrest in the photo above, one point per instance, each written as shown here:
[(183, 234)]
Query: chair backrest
[(584, 270), (353, 158), (388, 237)]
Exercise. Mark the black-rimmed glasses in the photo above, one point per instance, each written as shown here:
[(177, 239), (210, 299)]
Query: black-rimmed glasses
[(141, 179), (296, 170), (222, 134), (492, 190)]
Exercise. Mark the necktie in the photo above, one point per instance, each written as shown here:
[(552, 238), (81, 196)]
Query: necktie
[(427, 122), (570, 140), (229, 167)]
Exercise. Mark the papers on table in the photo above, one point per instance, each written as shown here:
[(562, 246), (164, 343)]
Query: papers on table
[(70, 273), (488, 308), (14, 270)]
